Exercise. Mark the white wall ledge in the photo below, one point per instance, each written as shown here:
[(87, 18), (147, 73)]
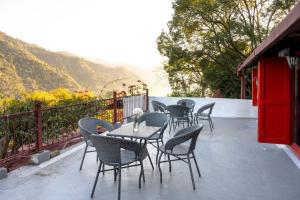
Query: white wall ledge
[(228, 108)]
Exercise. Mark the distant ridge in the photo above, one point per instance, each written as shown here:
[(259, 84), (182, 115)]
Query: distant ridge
[(27, 67)]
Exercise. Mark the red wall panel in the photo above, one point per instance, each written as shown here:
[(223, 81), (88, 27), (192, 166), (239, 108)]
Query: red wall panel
[(254, 87), (274, 101)]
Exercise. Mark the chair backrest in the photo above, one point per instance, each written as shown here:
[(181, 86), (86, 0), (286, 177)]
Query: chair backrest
[(178, 110), (158, 106), (161, 109), (162, 129), (155, 106), (153, 119), (183, 135), (208, 107), (187, 102), (88, 126), (109, 148)]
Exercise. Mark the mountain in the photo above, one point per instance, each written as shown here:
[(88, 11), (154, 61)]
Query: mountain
[(155, 76), (27, 67)]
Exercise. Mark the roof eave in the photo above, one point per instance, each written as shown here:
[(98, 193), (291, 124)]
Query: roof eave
[(280, 32)]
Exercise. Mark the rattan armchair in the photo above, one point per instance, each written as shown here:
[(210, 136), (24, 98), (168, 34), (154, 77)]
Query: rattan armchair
[(158, 106), (117, 153), (88, 126), (178, 115), (175, 147), (204, 113), (158, 120), (190, 103)]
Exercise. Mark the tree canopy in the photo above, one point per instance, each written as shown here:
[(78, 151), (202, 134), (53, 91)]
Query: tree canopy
[(207, 39)]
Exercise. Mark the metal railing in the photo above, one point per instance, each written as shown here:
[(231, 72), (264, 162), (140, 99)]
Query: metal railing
[(23, 134)]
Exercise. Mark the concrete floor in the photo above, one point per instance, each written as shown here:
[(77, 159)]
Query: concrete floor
[(233, 166)]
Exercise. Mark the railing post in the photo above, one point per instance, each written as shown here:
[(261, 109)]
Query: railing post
[(115, 107), (38, 124), (5, 140), (243, 86), (147, 100)]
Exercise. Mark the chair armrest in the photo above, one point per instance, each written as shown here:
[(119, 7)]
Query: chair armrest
[(130, 146), (184, 135), (177, 140)]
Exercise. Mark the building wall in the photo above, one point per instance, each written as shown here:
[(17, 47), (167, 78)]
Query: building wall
[(223, 108)]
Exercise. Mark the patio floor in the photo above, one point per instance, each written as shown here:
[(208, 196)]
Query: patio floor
[(233, 166)]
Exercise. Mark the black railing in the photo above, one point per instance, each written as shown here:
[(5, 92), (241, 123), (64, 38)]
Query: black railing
[(23, 134)]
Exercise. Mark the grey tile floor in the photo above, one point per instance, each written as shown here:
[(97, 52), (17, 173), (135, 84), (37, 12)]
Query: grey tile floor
[(233, 166)]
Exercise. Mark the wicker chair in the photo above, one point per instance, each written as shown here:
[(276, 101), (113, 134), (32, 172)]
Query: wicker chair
[(178, 114), (88, 126), (157, 104), (117, 153), (202, 115), (158, 120), (190, 103), (160, 107), (175, 148)]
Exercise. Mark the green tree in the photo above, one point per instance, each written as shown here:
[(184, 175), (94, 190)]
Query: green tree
[(136, 89), (207, 39)]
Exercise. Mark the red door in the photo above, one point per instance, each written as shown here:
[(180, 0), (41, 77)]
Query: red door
[(274, 101)]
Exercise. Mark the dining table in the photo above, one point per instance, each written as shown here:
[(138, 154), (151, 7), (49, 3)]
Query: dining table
[(143, 133)]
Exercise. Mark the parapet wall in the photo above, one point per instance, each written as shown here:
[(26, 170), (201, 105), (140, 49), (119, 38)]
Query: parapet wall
[(232, 108)]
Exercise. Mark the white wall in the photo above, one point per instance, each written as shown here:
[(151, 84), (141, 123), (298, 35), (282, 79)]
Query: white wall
[(223, 108)]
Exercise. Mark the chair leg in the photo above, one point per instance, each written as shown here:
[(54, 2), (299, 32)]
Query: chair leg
[(211, 122), (192, 119), (140, 177), (210, 125), (115, 174), (86, 146), (141, 174), (150, 161), (156, 158), (96, 179), (160, 174), (191, 172), (171, 123), (119, 187), (170, 166), (103, 168), (196, 165)]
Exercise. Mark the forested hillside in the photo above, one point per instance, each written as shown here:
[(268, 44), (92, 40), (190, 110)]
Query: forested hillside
[(27, 67)]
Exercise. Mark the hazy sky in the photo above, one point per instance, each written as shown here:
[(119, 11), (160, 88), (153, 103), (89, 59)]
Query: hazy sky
[(116, 31)]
